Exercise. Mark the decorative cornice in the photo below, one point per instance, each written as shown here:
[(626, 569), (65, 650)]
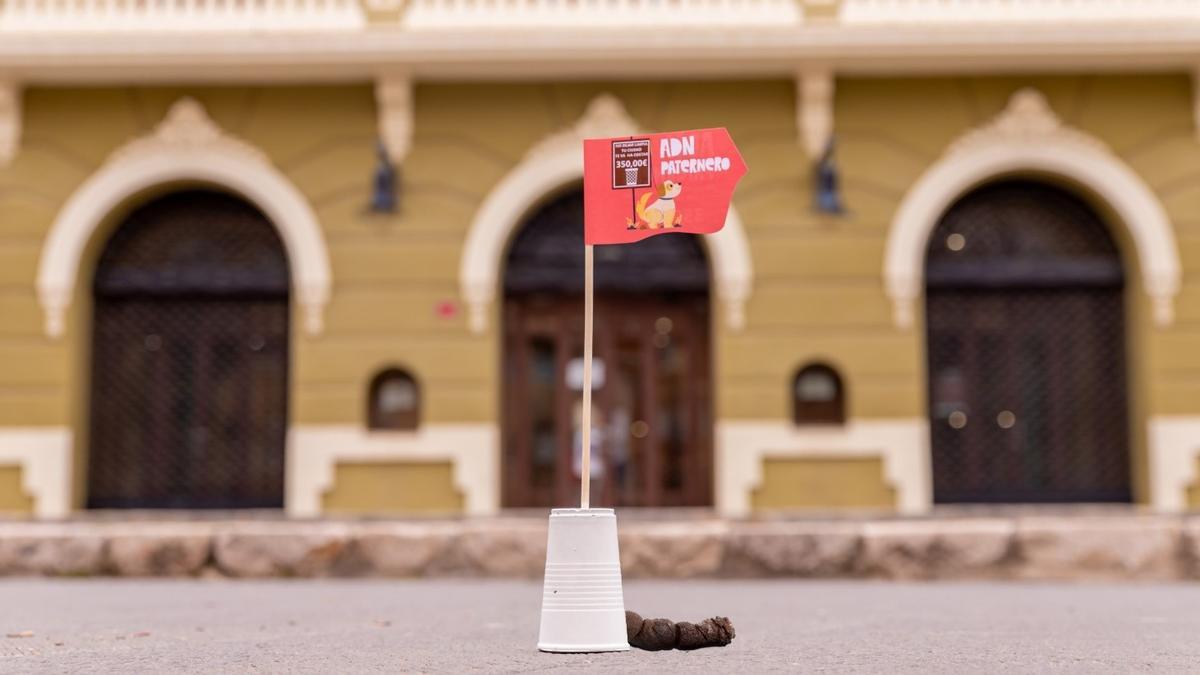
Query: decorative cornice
[(604, 117), (10, 121), (385, 5), (455, 50), (1028, 118), (134, 41)]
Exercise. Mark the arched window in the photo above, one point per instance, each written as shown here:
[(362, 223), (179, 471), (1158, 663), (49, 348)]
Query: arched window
[(818, 396), (395, 402)]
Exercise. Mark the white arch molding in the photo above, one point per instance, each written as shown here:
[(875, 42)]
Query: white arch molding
[(186, 146), (1028, 136), (557, 161)]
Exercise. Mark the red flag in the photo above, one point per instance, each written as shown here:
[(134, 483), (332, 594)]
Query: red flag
[(638, 186)]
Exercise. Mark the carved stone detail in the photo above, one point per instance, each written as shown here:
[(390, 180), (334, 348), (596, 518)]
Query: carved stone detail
[(1028, 136), (1027, 117), (186, 144), (188, 126), (604, 117)]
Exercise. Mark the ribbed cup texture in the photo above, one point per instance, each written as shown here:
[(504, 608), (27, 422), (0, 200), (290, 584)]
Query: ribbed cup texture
[(582, 586)]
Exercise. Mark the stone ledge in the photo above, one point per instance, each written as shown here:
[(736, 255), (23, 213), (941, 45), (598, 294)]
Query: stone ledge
[(1090, 547), (1027, 546), (933, 549), (802, 549)]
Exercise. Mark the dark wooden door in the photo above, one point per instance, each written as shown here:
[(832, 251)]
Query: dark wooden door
[(189, 359), (652, 423), (652, 415), (1025, 320)]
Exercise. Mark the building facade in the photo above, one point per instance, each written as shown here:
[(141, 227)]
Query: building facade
[(327, 257)]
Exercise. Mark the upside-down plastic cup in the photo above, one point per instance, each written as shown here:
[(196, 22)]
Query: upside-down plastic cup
[(583, 607)]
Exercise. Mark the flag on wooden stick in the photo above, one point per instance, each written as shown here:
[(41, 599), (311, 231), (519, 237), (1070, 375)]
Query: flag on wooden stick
[(639, 186)]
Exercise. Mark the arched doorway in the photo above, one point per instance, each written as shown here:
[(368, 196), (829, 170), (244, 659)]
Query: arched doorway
[(189, 358), (1026, 350), (653, 393)]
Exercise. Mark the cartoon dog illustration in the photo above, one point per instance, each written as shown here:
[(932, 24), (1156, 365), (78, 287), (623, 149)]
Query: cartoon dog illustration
[(661, 212)]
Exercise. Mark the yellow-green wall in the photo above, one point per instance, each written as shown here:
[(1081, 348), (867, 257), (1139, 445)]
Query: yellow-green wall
[(1193, 494), (818, 290), (393, 487), (13, 499), (823, 483)]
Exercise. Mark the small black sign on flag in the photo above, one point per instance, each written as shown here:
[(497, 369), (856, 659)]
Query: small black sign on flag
[(631, 164)]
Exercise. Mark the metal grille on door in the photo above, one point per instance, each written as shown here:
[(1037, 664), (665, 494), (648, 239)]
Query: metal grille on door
[(189, 359), (1026, 329)]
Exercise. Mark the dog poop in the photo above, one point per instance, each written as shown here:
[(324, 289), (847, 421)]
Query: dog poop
[(656, 634)]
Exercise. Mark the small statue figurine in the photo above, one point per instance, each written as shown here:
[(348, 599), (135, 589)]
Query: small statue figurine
[(383, 198), (829, 197)]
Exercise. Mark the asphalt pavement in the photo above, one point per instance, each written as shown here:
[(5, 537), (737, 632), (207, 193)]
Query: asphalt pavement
[(348, 626)]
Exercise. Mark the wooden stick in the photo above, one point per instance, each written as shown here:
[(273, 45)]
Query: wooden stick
[(586, 478)]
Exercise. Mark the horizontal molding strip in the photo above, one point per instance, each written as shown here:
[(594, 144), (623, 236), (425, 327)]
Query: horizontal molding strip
[(532, 52)]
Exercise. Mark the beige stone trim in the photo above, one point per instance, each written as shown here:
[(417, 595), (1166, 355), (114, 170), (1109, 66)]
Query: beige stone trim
[(394, 100), (123, 17), (814, 110), (1196, 100), (314, 452), (10, 121), (44, 455), (553, 163), (186, 146), (350, 40), (968, 13), (441, 15), (902, 444), (1028, 136), (466, 53), (1174, 449)]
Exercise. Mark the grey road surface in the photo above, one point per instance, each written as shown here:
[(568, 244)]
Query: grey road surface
[(218, 626)]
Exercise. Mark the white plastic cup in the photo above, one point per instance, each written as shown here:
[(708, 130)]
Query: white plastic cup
[(583, 606)]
